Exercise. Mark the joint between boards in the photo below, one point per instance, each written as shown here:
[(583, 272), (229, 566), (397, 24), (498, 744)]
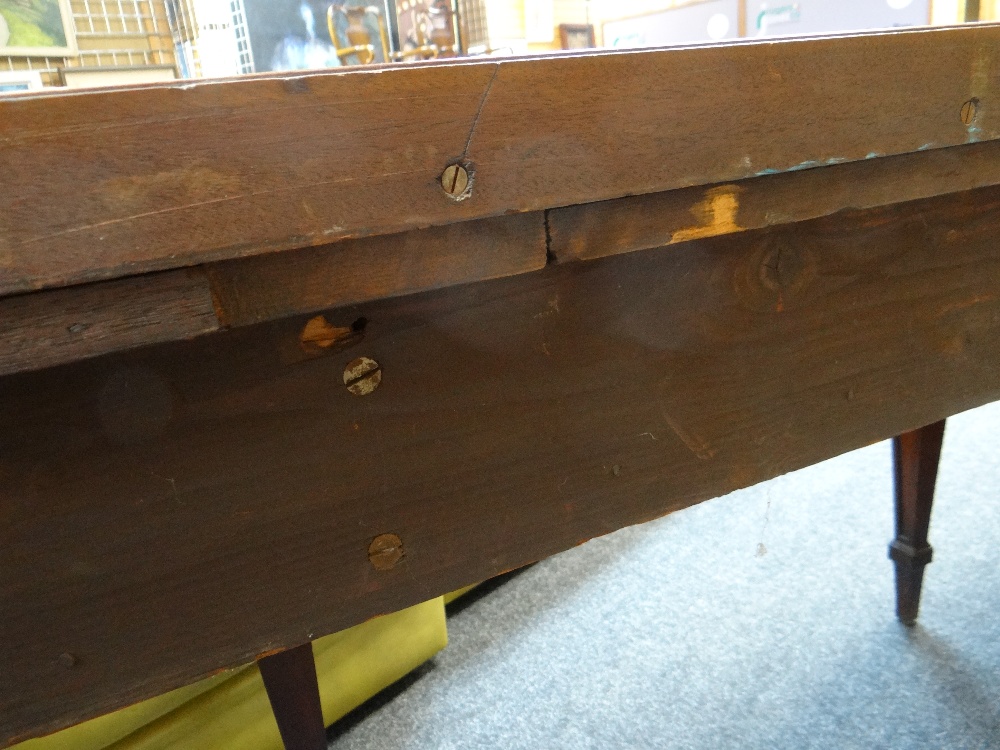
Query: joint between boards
[(550, 257)]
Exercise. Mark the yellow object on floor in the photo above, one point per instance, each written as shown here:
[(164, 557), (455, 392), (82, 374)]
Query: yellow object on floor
[(230, 711)]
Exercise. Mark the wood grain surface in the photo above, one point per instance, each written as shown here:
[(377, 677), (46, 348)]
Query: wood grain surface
[(118, 182), (184, 507), (56, 326), (594, 230), (64, 325), (265, 287)]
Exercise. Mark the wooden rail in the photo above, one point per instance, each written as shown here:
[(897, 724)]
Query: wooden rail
[(119, 182), (63, 325)]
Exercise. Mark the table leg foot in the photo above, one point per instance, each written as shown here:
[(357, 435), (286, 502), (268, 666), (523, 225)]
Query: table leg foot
[(910, 564), (291, 684), (916, 455)]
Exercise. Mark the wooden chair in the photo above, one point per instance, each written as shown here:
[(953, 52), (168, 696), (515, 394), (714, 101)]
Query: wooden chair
[(422, 36), (442, 22), (358, 43)]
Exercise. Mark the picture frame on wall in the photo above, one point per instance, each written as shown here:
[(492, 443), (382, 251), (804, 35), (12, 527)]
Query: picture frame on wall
[(315, 34), (577, 35), (36, 28)]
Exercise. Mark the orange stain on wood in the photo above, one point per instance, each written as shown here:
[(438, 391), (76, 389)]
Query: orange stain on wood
[(716, 215), (319, 333)]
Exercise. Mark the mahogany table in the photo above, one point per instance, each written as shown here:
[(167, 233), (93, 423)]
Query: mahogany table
[(283, 353)]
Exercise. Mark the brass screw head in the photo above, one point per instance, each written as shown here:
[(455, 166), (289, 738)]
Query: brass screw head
[(969, 111), (455, 182), (362, 376), (385, 551)]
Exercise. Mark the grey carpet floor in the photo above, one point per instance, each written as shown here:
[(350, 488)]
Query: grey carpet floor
[(763, 619)]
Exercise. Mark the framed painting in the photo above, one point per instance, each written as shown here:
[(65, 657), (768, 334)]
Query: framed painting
[(289, 35), (36, 28), (576, 36)]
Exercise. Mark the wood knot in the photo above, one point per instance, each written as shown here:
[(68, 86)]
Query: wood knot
[(781, 267), (776, 276), (385, 551)]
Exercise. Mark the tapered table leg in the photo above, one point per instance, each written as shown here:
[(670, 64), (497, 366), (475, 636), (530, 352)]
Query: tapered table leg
[(915, 455), (292, 688)]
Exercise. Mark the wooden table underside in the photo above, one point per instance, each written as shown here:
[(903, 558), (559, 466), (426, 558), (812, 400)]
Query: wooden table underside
[(188, 483)]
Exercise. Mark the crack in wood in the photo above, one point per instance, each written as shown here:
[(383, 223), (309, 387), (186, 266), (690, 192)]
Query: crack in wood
[(479, 112)]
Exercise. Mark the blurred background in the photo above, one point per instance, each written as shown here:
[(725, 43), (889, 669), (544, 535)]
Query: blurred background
[(82, 43)]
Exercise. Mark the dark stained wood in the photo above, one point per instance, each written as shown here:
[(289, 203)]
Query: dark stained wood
[(265, 287), (594, 230), (915, 456), (57, 326), (220, 488), (119, 182), (52, 328), (290, 680)]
